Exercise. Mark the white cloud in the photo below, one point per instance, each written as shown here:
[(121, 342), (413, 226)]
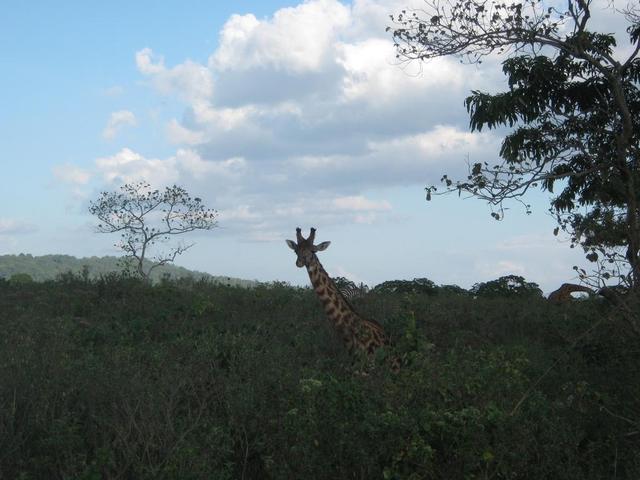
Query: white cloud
[(366, 218), (296, 39), (401, 160), (127, 166), (441, 140), (146, 64), (373, 74), (491, 270), (360, 203), (309, 80), (192, 163), (118, 120), (185, 166), (180, 134), (364, 211), (71, 174), (224, 119), (189, 80), (371, 17), (241, 212), (297, 114), (10, 226)]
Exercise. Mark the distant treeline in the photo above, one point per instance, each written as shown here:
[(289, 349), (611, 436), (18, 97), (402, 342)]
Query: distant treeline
[(26, 267), (50, 267)]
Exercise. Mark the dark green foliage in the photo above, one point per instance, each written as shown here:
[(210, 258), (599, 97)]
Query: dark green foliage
[(417, 285), (115, 378), (507, 286), (452, 290)]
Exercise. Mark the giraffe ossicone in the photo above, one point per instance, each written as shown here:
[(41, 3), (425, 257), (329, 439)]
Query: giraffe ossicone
[(357, 333)]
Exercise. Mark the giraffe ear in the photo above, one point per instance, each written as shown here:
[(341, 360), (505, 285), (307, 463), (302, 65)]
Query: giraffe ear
[(320, 247), (291, 244)]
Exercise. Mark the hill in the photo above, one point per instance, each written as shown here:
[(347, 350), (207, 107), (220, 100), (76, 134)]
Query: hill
[(49, 267)]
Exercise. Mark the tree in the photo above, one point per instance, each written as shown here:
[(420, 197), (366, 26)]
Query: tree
[(452, 290), (575, 107), (507, 286), (145, 217), (415, 286)]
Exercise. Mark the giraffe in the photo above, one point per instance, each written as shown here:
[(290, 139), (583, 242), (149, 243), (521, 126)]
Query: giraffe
[(357, 333), (563, 294)]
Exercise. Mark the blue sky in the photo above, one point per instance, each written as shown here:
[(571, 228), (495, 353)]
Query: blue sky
[(278, 114)]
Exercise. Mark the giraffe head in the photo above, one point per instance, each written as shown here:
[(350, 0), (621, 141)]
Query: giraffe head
[(304, 247)]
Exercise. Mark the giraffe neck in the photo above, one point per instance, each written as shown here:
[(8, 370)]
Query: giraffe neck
[(357, 333), (338, 310), (580, 288)]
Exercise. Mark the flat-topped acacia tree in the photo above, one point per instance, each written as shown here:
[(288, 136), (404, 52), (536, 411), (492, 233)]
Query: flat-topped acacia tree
[(145, 217)]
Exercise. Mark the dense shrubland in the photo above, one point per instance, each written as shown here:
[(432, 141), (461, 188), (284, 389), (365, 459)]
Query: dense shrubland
[(115, 378)]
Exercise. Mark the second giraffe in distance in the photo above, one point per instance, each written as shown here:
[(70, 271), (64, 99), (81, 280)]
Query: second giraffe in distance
[(357, 333), (563, 294)]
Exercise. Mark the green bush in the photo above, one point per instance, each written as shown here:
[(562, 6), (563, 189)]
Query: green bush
[(114, 378)]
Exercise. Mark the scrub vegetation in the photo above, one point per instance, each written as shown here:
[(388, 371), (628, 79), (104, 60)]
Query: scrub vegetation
[(119, 378)]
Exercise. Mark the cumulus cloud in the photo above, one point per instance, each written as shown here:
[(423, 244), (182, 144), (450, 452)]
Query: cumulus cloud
[(404, 160), (296, 39), (371, 72), (185, 166), (295, 116), (117, 121), (189, 80), (128, 166)]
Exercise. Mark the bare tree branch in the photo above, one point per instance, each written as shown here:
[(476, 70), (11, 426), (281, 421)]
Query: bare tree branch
[(145, 217)]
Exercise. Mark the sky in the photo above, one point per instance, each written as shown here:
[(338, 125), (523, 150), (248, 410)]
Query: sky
[(277, 114)]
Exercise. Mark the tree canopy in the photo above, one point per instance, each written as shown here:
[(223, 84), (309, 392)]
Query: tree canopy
[(573, 101), (507, 286)]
